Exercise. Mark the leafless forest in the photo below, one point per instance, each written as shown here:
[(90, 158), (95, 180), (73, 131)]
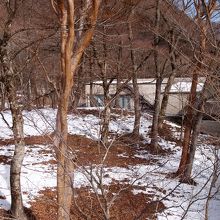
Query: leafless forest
[(120, 100)]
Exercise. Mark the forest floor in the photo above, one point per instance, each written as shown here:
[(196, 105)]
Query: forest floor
[(126, 174)]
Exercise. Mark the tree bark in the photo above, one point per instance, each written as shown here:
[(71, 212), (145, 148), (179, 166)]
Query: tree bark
[(79, 86), (17, 208), (192, 123), (91, 98), (64, 166), (155, 125), (8, 79), (193, 144), (196, 129), (170, 81), (106, 114), (117, 98), (3, 98), (154, 130), (188, 123), (136, 94), (69, 63), (165, 99)]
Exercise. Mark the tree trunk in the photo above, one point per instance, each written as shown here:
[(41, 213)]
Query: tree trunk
[(9, 80), (64, 168), (188, 123), (137, 109), (117, 98), (105, 120), (154, 130), (136, 94), (35, 90), (65, 163), (165, 99), (91, 98), (196, 129), (3, 98), (17, 208), (192, 148), (189, 140), (106, 113), (69, 64), (53, 99), (79, 85), (170, 81)]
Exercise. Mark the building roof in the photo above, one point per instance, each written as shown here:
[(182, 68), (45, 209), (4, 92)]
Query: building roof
[(185, 87)]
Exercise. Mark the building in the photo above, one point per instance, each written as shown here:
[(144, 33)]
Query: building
[(177, 98)]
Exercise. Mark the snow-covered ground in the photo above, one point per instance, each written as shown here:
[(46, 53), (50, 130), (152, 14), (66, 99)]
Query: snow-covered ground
[(35, 175), (183, 201)]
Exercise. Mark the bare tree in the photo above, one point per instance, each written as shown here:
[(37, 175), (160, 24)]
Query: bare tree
[(14, 62), (204, 11), (173, 40), (72, 48), (9, 79), (136, 93), (159, 79), (103, 64), (79, 85)]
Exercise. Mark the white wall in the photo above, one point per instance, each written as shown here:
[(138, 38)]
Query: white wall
[(176, 102)]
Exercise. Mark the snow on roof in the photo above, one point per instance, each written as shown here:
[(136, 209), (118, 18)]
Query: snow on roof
[(139, 81), (185, 87), (181, 84)]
